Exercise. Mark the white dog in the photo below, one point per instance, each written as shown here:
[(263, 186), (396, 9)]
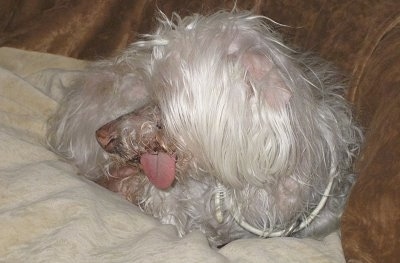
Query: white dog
[(223, 128)]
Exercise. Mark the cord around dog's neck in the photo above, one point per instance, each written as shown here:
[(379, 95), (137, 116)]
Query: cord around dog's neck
[(221, 194)]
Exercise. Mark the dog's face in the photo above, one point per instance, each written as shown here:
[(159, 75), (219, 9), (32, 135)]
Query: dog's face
[(137, 140)]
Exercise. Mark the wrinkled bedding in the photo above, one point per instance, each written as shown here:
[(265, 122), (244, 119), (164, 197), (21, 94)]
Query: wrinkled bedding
[(48, 213)]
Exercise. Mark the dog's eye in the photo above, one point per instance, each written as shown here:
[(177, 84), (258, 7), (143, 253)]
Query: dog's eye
[(159, 126), (135, 159)]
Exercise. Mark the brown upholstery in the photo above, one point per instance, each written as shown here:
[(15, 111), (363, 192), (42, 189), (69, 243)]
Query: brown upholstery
[(360, 37)]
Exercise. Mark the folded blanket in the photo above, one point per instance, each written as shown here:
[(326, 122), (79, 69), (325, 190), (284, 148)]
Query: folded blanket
[(50, 214)]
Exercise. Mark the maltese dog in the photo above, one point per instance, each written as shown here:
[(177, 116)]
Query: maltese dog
[(212, 123)]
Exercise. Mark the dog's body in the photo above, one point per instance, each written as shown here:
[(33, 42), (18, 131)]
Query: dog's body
[(223, 129)]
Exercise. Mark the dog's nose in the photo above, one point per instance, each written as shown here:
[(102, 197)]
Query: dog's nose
[(106, 139)]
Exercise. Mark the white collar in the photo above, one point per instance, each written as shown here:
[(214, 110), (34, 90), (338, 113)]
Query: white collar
[(221, 194)]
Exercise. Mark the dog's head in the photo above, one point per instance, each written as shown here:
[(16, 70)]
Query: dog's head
[(222, 98)]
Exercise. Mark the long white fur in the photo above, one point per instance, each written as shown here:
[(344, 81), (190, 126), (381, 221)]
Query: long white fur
[(266, 122)]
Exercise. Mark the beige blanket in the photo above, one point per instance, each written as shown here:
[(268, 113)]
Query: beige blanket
[(49, 214)]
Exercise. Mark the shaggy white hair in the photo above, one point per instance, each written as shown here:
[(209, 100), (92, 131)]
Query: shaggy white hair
[(254, 127)]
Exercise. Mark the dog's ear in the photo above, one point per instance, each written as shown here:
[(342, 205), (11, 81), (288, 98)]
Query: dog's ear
[(263, 76)]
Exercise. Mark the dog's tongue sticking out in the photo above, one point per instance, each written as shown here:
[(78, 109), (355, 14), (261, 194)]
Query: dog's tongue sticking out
[(159, 168)]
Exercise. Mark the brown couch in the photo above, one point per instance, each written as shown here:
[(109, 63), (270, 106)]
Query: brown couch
[(361, 37)]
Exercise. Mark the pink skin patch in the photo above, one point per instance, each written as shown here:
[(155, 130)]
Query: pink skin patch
[(159, 168)]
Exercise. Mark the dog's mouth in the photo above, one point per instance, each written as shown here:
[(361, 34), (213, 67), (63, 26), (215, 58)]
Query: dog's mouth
[(137, 140)]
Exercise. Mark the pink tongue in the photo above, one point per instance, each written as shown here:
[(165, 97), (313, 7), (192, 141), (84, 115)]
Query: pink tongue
[(159, 168)]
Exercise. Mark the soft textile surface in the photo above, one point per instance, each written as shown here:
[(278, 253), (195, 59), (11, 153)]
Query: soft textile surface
[(49, 214)]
